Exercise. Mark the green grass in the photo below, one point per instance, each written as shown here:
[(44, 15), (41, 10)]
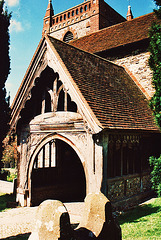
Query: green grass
[(4, 198), (143, 222)]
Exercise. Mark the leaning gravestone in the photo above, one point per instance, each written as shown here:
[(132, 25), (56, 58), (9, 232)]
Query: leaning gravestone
[(52, 222), (97, 218)]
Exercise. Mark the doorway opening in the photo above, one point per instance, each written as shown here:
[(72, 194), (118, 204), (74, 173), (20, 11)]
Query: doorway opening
[(57, 174)]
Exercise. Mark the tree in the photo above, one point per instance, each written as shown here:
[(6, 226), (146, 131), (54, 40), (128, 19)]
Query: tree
[(158, 11), (10, 153), (4, 72), (155, 163), (155, 64), (155, 103)]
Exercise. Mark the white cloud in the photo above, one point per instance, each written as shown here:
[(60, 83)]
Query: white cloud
[(16, 26), (12, 3)]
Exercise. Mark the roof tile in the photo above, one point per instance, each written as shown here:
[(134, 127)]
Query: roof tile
[(117, 35), (110, 92)]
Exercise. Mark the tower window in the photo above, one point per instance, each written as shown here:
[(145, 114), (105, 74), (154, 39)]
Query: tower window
[(68, 37), (64, 16), (57, 20), (60, 18), (81, 9), (69, 15), (72, 13), (76, 11), (85, 8)]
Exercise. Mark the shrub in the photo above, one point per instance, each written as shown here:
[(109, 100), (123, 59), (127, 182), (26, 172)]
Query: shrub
[(4, 174), (155, 163)]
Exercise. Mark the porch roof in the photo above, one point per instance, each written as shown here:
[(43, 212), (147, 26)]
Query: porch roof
[(110, 92)]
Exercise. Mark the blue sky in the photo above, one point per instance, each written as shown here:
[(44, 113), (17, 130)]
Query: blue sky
[(26, 29)]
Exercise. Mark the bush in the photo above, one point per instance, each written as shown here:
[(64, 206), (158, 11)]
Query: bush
[(4, 174), (155, 163), (11, 177)]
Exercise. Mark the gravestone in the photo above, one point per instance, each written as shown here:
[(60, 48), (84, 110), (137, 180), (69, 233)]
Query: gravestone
[(97, 218), (52, 222)]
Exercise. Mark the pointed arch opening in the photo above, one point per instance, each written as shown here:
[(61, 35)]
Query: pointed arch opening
[(47, 95), (57, 173)]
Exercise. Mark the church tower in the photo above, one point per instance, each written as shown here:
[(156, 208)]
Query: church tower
[(48, 18), (81, 20)]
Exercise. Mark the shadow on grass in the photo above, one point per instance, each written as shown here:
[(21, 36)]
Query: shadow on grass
[(4, 200), (137, 213)]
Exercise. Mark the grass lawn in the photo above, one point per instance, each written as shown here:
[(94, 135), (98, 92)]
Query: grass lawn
[(4, 198), (143, 222)]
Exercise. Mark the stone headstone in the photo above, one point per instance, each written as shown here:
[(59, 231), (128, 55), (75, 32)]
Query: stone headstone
[(52, 222), (97, 218)]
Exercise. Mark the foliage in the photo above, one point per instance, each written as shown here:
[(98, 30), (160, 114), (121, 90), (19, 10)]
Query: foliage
[(158, 12), (4, 71), (155, 103), (143, 222), (155, 64), (4, 199), (155, 163), (10, 153), (4, 174), (11, 177)]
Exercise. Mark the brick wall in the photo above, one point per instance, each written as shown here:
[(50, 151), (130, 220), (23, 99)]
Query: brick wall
[(83, 19)]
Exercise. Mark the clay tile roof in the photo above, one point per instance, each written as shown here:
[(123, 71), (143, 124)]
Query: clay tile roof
[(109, 91), (117, 35)]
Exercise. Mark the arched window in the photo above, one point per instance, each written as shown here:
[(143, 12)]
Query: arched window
[(76, 11), (81, 10), (85, 8), (72, 13), (68, 37)]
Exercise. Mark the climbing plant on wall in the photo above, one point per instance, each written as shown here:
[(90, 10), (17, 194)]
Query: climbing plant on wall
[(4, 72), (155, 103), (155, 64)]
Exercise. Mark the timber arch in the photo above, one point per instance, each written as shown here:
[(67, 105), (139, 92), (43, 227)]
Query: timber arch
[(56, 171)]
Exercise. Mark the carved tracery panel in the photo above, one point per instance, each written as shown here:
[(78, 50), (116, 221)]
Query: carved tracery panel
[(48, 95)]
